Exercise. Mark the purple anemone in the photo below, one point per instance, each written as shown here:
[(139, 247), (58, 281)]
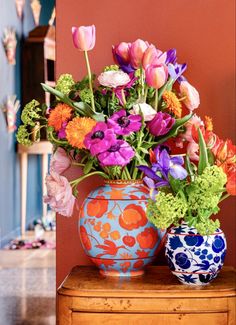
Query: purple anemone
[(62, 132), (123, 124), (119, 153), (99, 139), (160, 124)]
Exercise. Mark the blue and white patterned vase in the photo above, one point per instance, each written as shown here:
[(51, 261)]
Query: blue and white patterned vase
[(193, 258)]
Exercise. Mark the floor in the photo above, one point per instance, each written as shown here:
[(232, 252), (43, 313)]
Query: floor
[(27, 287)]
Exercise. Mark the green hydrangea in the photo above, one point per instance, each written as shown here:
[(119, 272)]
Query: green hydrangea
[(23, 136), (205, 192), (207, 226), (167, 209), (65, 83), (30, 113), (112, 67), (85, 95)]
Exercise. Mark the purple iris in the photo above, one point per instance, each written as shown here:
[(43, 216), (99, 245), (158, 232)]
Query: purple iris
[(119, 153), (171, 56), (99, 139), (170, 165), (160, 124), (165, 165), (123, 124), (62, 132), (176, 70)]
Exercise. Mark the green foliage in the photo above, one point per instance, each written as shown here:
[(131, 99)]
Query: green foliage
[(31, 113), (23, 136), (203, 156), (167, 209), (65, 83), (112, 67)]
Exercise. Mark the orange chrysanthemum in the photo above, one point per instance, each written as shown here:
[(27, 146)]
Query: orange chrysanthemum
[(172, 103), (77, 129), (61, 113), (208, 123)]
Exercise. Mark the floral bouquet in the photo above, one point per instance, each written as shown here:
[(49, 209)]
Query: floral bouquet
[(128, 123)]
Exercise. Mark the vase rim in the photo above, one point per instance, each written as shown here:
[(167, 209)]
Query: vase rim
[(123, 181)]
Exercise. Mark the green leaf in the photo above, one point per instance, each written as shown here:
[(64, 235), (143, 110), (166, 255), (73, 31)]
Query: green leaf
[(189, 167), (174, 131), (203, 156), (141, 161), (211, 158), (86, 110), (64, 98), (176, 184), (88, 166)]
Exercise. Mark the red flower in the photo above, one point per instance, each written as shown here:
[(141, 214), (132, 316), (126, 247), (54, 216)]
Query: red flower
[(133, 217), (97, 208)]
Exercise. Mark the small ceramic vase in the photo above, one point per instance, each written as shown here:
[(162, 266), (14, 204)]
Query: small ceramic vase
[(193, 258)]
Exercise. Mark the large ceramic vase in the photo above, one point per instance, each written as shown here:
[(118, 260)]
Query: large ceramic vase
[(114, 230), (193, 258)]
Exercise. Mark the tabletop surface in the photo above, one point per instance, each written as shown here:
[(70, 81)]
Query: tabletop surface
[(157, 281)]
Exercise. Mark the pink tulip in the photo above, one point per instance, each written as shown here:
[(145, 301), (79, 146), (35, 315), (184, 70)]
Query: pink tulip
[(59, 194), (59, 161), (192, 99), (136, 52), (84, 37), (156, 75), (122, 50), (153, 56), (192, 150)]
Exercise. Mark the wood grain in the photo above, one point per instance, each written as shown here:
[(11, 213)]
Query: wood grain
[(86, 297)]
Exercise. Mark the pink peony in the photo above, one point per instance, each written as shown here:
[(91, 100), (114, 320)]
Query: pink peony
[(59, 194), (59, 161), (192, 100), (113, 79), (146, 109)]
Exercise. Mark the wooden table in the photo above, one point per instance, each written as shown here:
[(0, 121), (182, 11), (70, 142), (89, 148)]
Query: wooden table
[(86, 297), (43, 148)]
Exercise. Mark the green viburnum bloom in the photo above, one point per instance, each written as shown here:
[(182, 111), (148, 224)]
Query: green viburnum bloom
[(112, 67), (65, 83), (85, 95), (167, 209), (30, 113), (23, 135), (203, 198)]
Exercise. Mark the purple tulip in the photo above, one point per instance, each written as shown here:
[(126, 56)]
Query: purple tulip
[(160, 124), (119, 154), (99, 139), (123, 124)]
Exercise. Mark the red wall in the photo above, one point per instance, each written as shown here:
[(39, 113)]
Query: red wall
[(203, 34)]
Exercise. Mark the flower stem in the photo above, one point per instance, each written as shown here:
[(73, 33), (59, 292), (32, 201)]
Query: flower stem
[(224, 197), (80, 179), (90, 79), (156, 100), (123, 97)]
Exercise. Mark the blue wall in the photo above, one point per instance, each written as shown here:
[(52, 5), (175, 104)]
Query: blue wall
[(9, 160)]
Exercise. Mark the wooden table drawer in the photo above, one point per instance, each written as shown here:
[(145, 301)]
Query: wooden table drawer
[(149, 319)]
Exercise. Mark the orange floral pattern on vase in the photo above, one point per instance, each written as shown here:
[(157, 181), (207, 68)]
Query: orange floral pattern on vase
[(85, 238), (133, 217), (96, 208), (147, 238)]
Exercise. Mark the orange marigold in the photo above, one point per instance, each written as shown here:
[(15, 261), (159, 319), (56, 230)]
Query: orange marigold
[(77, 129), (61, 113), (172, 103), (208, 123)]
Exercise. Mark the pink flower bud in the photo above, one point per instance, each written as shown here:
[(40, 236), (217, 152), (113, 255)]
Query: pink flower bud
[(122, 50), (192, 99), (84, 37), (156, 75), (136, 52)]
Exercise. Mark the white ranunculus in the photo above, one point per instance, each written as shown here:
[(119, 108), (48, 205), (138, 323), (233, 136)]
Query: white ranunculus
[(146, 109), (113, 79)]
